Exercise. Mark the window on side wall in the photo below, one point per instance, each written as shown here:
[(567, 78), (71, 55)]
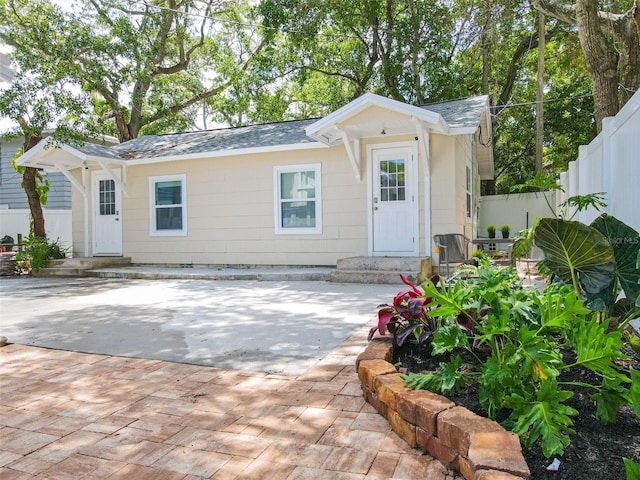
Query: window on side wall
[(298, 204), (168, 197), (469, 190)]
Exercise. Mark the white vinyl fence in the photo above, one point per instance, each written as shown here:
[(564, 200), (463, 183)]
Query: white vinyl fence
[(57, 224), (518, 210), (610, 164)]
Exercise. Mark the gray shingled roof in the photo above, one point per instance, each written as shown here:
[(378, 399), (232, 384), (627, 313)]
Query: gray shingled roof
[(189, 143), (465, 112), (457, 113)]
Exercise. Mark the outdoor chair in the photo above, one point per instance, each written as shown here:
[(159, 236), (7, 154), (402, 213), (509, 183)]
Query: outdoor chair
[(453, 248)]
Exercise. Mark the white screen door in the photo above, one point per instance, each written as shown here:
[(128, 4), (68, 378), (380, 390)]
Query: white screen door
[(107, 225), (395, 207)]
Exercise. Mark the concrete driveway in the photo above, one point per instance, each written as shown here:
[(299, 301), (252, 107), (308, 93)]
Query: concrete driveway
[(275, 327)]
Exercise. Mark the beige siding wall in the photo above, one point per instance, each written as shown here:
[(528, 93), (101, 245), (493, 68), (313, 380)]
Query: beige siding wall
[(444, 217), (230, 213), (77, 218), (230, 207), (463, 155), (448, 185), (366, 116)]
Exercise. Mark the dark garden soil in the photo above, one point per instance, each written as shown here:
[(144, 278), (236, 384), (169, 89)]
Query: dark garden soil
[(596, 449)]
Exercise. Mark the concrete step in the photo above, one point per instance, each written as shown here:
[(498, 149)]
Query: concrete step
[(156, 273), (90, 262), (371, 277), (382, 270), (60, 272), (399, 264), (78, 267)]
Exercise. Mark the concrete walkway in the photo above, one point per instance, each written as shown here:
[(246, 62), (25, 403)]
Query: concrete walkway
[(67, 415), (149, 272), (282, 327)]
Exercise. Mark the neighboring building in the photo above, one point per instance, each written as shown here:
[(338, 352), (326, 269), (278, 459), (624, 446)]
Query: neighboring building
[(375, 178), (14, 208)]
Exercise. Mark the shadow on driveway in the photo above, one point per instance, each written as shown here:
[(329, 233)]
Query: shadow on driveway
[(274, 327)]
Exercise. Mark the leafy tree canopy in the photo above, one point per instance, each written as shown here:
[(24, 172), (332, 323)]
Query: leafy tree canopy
[(147, 65)]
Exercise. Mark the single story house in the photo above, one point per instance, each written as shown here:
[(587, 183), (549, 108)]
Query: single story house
[(377, 177)]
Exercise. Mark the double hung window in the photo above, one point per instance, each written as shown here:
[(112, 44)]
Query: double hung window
[(298, 199), (168, 205)]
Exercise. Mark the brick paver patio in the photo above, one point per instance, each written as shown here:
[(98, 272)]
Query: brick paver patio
[(66, 415)]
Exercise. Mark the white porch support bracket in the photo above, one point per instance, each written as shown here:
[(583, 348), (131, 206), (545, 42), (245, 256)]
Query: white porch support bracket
[(353, 153), (423, 140), (114, 177), (74, 181)]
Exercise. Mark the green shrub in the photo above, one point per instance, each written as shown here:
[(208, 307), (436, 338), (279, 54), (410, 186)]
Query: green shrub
[(36, 252), (517, 343)]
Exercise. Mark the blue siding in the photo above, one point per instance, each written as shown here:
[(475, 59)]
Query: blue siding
[(12, 193)]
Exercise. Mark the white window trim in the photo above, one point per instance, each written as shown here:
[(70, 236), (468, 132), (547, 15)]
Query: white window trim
[(153, 231), (277, 170)]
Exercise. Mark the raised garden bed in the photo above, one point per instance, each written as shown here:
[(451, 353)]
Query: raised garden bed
[(478, 448)]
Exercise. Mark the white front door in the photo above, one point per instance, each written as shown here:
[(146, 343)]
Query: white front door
[(394, 201), (107, 226)]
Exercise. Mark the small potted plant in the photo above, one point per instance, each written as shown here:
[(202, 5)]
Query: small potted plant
[(6, 243), (491, 230), (505, 229)]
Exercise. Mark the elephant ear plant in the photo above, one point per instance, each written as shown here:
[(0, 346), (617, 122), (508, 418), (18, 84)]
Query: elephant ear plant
[(598, 261)]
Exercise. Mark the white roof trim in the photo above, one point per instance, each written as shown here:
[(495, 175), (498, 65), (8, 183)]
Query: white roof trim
[(227, 153), (36, 156), (318, 129)]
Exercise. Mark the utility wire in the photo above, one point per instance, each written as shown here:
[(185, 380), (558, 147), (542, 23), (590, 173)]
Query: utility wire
[(559, 99)]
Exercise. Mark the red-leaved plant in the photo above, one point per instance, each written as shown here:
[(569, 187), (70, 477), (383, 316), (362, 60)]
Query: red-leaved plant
[(407, 316)]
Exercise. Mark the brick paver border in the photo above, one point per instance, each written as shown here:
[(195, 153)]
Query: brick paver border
[(67, 415), (475, 446)]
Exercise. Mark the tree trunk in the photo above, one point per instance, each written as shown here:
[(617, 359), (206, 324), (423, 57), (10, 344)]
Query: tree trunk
[(484, 45), (123, 127), (540, 94), (601, 59), (611, 46), (30, 183), (627, 34)]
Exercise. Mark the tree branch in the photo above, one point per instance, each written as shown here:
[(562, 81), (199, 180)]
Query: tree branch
[(201, 96)]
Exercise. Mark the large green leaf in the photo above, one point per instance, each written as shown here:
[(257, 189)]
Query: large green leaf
[(632, 469), (626, 247), (581, 256), (597, 348), (635, 390), (547, 417)]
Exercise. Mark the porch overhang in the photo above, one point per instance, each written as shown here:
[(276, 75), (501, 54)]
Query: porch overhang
[(50, 155), (348, 125), (331, 130)]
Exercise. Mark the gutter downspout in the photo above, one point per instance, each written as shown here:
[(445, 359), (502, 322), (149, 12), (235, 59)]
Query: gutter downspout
[(85, 175)]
